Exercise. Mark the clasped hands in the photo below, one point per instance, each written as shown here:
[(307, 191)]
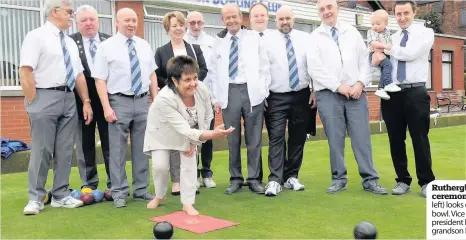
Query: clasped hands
[(351, 92)]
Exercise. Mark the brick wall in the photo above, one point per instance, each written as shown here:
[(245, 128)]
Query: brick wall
[(451, 17), (15, 122), (455, 45)]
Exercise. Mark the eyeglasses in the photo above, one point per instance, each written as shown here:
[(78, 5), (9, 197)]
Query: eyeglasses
[(199, 23)]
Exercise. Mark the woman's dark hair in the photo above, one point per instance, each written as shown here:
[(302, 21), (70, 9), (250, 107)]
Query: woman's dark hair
[(177, 66)]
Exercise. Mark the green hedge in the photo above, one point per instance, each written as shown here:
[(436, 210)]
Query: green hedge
[(18, 162)]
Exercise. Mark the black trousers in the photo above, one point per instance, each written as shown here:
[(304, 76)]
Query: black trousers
[(409, 108), (88, 146), (207, 150), (290, 108)]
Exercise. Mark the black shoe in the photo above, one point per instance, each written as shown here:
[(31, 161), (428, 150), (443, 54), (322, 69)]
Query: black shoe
[(257, 188), (233, 188), (89, 186)]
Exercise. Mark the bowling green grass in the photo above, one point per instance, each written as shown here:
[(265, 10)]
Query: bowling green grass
[(308, 214)]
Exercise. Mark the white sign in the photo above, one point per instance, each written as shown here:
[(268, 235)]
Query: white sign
[(446, 209)]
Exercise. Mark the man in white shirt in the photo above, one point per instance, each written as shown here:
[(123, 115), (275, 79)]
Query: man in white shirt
[(50, 70), (240, 77), (124, 69), (259, 18), (288, 102), (88, 40), (411, 106), (338, 62), (196, 35)]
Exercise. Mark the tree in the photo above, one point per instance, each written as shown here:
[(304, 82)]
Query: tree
[(433, 20)]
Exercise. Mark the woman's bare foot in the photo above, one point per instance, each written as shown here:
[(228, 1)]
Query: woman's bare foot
[(190, 210), (154, 203), (175, 187)]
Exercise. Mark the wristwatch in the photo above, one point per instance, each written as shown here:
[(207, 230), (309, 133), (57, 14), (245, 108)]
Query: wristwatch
[(87, 100)]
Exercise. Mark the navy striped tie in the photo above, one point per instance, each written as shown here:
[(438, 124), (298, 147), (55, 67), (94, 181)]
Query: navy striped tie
[(292, 65), (70, 79), (92, 48), (136, 82), (401, 71), (334, 34), (233, 66)]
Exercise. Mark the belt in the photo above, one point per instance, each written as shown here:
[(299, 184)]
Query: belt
[(132, 96), (61, 88), (411, 85)]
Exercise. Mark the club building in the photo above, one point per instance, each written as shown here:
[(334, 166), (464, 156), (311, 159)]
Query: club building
[(20, 16)]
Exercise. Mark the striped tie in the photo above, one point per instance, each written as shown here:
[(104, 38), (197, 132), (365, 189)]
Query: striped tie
[(92, 48), (233, 67), (70, 79), (334, 34), (292, 65), (136, 82), (401, 71)]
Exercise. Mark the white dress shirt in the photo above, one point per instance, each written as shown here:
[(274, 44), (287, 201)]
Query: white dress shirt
[(87, 43), (331, 64), (178, 52), (206, 43), (256, 68), (240, 77), (276, 47), (42, 51), (111, 64), (415, 54)]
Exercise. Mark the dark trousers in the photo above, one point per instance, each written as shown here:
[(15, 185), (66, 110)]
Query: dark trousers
[(385, 69), (86, 140), (290, 108), (207, 150), (409, 108)]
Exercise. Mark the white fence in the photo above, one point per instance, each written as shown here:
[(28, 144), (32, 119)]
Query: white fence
[(17, 17)]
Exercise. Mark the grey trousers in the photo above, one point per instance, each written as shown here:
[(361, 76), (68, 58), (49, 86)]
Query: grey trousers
[(53, 118), (339, 115), (239, 106), (188, 174), (132, 118)]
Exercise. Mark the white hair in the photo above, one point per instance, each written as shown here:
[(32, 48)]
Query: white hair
[(51, 4), (86, 8)]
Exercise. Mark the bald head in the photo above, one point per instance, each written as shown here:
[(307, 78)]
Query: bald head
[(284, 19), (195, 23), (127, 22), (328, 11), (232, 17)]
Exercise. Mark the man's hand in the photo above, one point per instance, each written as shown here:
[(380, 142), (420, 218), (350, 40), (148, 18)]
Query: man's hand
[(377, 58), (110, 115), (30, 96), (216, 108), (87, 112), (344, 90), (356, 90), (312, 100), (378, 45), (191, 151)]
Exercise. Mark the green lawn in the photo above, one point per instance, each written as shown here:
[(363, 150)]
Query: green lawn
[(308, 214)]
